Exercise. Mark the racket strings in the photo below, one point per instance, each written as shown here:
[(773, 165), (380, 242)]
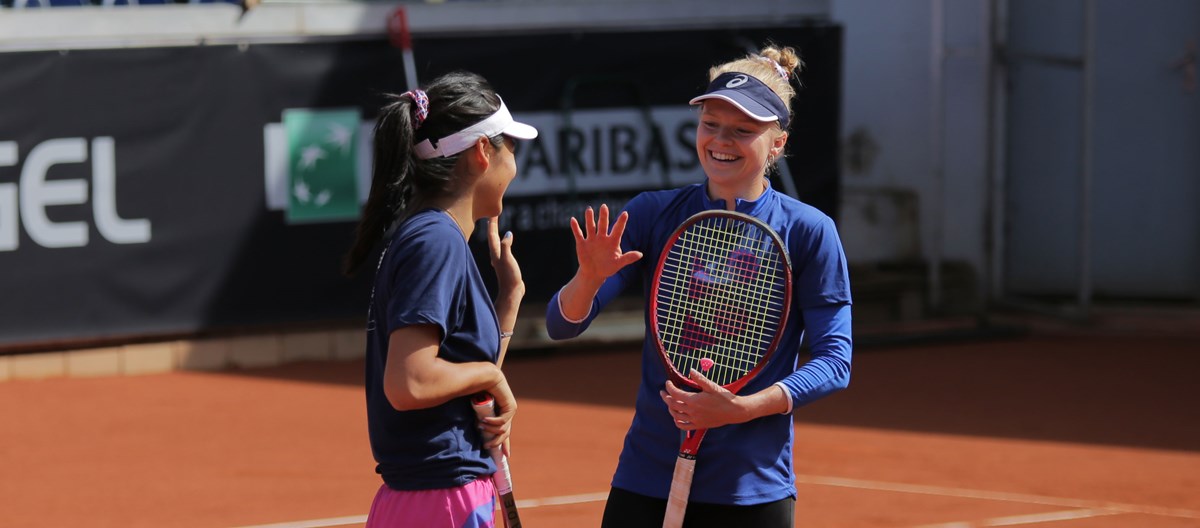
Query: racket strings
[(720, 298)]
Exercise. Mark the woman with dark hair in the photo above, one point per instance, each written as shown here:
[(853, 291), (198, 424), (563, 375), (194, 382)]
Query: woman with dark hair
[(443, 160)]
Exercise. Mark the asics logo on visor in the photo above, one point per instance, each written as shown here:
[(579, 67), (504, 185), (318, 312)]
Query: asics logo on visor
[(736, 81)]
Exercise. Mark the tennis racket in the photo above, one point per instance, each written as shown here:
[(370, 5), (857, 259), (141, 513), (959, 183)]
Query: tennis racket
[(719, 304), (485, 406), (401, 38)]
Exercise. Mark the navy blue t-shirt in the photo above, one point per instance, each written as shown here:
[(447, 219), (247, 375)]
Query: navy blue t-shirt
[(427, 275)]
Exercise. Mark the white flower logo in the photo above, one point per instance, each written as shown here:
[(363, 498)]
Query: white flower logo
[(340, 136), (309, 156)]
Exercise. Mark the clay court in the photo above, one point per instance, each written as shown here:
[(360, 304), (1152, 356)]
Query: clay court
[(1060, 431)]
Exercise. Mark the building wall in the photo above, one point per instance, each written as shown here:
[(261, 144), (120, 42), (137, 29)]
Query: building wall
[(897, 206)]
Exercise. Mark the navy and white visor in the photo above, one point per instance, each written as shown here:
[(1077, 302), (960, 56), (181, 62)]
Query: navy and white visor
[(748, 94)]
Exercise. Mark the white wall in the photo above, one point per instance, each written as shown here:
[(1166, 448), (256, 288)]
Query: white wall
[(895, 207)]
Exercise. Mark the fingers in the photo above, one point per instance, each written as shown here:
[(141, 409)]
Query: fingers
[(590, 218), (714, 406), (499, 248), (599, 250), (506, 244), (494, 237), (602, 228), (619, 226), (677, 408), (618, 231), (577, 231), (504, 434), (629, 258), (673, 397), (496, 431), (706, 384), (597, 223), (674, 391)]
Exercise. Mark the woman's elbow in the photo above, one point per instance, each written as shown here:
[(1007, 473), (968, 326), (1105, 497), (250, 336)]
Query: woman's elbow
[(400, 400), (558, 334), (559, 330), (842, 379), (838, 373), (404, 396)]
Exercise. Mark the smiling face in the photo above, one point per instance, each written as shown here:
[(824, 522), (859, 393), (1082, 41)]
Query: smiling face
[(734, 149)]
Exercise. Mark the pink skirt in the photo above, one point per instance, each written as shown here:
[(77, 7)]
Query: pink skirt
[(469, 506)]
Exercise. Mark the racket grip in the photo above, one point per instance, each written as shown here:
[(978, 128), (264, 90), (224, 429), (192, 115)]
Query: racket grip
[(485, 406), (681, 488)]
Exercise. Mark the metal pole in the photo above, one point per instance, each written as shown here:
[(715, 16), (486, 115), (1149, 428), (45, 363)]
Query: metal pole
[(1085, 165), (936, 131), (996, 25)]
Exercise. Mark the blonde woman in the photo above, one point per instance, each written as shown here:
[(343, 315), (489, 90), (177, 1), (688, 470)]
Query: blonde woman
[(743, 475)]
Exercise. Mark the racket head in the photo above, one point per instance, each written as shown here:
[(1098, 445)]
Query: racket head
[(720, 298)]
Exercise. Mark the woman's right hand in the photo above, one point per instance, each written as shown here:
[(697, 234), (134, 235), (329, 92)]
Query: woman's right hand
[(599, 252)]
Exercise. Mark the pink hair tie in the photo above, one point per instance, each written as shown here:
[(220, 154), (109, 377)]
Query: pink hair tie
[(421, 111), (778, 69)]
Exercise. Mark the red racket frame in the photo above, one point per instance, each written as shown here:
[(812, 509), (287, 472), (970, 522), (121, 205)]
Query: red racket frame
[(690, 445)]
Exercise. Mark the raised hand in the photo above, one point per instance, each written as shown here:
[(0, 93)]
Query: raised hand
[(508, 272), (599, 251)]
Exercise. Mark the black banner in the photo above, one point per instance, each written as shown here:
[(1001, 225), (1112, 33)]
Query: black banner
[(160, 191), (571, 72)]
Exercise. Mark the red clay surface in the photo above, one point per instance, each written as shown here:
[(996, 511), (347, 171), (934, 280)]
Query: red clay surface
[(1061, 432)]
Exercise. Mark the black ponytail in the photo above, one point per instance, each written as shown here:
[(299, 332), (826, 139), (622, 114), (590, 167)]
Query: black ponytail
[(402, 184), (390, 179)]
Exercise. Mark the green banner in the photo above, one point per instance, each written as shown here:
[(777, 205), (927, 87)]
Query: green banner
[(322, 183)]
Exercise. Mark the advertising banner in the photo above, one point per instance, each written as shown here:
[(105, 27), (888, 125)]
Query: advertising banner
[(184, 190)]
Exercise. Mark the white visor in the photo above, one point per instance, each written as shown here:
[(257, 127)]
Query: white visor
[(498, 123)]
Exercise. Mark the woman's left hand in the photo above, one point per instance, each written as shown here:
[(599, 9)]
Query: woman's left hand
[(499, 427), (508, 272), (712, 407)]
